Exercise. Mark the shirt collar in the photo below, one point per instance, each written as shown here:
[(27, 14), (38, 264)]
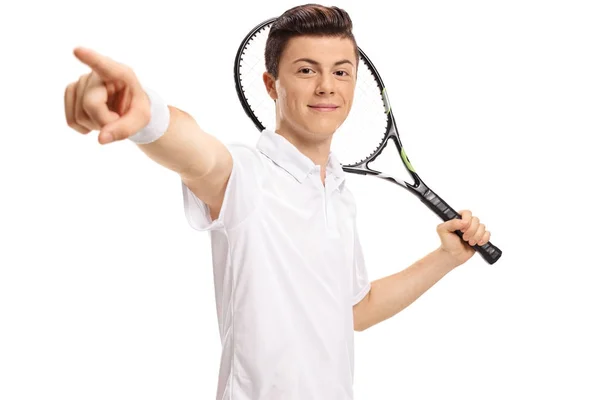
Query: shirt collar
[(287, 156)]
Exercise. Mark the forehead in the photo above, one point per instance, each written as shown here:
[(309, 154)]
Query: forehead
[(324, 49)]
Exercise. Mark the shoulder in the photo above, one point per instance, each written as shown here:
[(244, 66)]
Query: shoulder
[(244, 151), (245, 154), (248, 163)]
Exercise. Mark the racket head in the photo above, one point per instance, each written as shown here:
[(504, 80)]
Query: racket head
[(362, 136)]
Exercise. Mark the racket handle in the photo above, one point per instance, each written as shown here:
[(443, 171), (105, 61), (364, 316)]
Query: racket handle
[(488, 251)]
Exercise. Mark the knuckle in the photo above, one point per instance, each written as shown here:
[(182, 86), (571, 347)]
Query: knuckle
[(128, 70), (131, 77), (125, 73), (88, 105), (86, 102)]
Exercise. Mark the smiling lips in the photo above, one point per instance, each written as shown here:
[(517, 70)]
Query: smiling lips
[(323, 107)]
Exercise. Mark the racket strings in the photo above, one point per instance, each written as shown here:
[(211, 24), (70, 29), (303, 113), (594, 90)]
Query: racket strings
[(364, 130)]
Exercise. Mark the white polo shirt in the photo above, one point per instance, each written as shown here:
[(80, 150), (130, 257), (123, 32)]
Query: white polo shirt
[(288, 267)]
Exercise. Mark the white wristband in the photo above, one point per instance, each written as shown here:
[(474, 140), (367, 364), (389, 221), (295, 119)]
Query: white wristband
[(159, 120)]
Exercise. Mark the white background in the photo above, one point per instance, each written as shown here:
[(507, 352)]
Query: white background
[(106, 292)]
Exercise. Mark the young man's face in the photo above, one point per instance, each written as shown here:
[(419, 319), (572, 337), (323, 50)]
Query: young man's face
[(315, 86)]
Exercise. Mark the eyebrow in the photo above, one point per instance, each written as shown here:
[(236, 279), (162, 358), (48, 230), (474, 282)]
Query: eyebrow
[(311, 61)]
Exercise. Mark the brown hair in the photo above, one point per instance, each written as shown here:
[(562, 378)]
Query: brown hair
[(305, 20)]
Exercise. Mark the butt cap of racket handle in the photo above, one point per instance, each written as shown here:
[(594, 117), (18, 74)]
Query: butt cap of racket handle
[(488, 251)]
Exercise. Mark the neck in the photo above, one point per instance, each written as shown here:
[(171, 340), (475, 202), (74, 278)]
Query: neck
[(316, 150)]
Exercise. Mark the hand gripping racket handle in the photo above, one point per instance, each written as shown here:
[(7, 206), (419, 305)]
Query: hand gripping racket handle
[(488, 251)]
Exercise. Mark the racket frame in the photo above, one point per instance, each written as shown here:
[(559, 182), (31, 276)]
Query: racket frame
[(489, 252)]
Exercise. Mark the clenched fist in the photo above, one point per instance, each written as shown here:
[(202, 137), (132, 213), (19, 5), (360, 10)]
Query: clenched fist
[(109, 99), (473, 233)]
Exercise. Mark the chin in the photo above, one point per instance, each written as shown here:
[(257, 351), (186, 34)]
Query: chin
[(323, 129), (321, 132)]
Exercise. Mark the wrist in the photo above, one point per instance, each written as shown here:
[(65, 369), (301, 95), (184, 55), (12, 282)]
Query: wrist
[(445, 259), (159, 120)]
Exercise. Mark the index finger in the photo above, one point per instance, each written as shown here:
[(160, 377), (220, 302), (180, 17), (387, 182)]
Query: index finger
[(107, 68)]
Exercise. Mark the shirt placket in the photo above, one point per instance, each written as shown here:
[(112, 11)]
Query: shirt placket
[(329, 205)]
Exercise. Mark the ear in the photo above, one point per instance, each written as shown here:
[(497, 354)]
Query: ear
[(269, 82)]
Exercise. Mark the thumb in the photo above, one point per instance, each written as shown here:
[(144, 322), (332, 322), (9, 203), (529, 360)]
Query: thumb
[(134, 119)]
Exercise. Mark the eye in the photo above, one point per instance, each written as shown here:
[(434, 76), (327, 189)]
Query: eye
[(305, 70), (342, 73)]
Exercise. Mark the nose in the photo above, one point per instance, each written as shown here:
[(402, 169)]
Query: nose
[(326, 85)]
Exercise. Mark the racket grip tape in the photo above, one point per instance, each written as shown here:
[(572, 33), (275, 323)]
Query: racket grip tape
[(488, 251)]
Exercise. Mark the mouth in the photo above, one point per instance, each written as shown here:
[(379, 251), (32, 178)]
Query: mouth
[(324, 107)]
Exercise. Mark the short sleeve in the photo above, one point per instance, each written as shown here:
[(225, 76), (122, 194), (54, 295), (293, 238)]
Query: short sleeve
[(242, 193), (361, 283)]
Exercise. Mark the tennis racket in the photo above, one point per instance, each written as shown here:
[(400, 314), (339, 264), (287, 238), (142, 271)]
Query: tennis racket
[(369, 127)]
